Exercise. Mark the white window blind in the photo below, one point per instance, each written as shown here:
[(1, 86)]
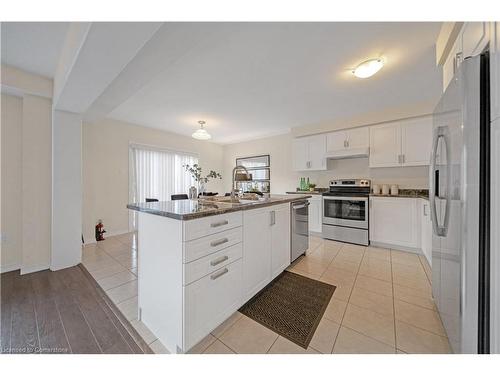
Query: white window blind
[(158, 174)]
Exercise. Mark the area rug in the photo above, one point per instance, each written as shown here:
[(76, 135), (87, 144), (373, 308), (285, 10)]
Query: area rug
[(291, 305)]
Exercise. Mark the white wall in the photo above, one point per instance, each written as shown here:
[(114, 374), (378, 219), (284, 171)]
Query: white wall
[(36, 183), (66, 190), (26, 170), (106, 169), (284, 178), (11, 217)]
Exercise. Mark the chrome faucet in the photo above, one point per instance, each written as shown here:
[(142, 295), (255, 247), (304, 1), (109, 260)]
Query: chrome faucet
[(235, 169)]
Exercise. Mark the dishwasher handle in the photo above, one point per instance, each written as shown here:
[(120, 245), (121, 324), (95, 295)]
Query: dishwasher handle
[(298, 207)]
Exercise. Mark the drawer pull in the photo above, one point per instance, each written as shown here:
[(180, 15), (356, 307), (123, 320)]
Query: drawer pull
[(219, 224), (218, 242), (219, 274), (219, 260)]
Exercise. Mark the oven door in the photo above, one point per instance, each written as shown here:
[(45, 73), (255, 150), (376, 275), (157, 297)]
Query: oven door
[(346, 211)]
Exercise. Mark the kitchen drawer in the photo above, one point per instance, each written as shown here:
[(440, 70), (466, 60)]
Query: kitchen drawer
[(210, 263), (204, 246), (205, 226), (211, 300)]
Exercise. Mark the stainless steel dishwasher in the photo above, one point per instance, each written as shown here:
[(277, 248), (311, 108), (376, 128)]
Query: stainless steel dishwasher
[(300, 228)]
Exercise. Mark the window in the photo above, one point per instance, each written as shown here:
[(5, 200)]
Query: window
[(157, 173)]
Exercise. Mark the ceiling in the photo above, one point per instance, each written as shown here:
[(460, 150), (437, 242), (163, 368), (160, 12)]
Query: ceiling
[(251, 80), (33, 46), (246, 80)]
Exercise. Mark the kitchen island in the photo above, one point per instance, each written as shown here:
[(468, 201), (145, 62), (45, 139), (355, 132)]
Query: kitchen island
[(199, 261)]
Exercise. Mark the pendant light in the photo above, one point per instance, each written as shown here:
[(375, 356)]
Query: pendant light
[(201, 133)]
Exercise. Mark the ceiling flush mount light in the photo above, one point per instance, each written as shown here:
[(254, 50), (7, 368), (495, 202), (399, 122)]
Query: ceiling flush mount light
[(368, 68), (201, 133)]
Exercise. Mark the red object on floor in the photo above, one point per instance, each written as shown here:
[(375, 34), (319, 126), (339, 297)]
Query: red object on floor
[(99, 231)]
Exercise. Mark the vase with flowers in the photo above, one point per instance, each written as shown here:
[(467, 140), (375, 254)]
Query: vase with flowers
[(196, 173)]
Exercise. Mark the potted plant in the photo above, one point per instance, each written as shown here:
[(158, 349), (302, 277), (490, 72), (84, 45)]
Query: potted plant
[(196, 172), (312, 186)]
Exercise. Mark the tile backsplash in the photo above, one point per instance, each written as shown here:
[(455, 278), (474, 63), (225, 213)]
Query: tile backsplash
[(405, 177)]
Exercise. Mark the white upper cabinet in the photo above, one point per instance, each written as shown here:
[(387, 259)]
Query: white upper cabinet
[(385, 145), (336, 141), (348, 143), (475, 37), (300, 154), (452, 62), (401, 144), (358, 138), (416, 139), (495, 70), (472, 40), (309, 153)]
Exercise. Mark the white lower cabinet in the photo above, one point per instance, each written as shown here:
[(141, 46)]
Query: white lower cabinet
[(426, 229), (280, 239), (401, 223), (266, 246), (316, 213), (256, 251), (393, 222), (194, 274), (211, 300)]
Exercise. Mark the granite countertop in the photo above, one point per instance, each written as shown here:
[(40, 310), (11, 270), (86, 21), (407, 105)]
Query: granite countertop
[(406, 193), (188, 209), (305, 192)]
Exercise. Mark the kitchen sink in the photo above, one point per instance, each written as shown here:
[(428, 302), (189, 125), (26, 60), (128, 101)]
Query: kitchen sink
[(236, 200)]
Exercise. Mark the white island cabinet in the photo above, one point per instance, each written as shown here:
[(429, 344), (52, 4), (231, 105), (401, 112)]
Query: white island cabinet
[(193, 274), (266, 250)]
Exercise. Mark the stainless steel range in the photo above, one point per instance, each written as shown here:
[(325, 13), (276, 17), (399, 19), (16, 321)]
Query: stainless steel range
[(345, 211)]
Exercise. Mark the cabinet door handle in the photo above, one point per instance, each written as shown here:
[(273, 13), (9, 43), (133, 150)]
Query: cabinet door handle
[(219, 260), (457, 61), (403, 158), (219, 224), (273, 217), (218, 242), (399, 158), (219, 274), (425, 211)]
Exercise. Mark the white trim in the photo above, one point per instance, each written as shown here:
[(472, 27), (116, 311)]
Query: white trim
[(108, 234), (495, 238), (9, 267), (34, 268), (413, 250)]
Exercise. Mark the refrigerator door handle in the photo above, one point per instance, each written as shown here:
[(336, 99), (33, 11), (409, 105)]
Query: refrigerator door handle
[(440, 132), (446, 139)]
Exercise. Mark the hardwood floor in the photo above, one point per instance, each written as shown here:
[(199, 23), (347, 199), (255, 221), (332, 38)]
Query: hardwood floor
[(62, 312)]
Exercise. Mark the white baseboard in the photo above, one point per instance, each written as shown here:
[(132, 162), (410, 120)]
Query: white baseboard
[(57, 267), (34, 268), (414, 250), (107, 234), (9, 267)]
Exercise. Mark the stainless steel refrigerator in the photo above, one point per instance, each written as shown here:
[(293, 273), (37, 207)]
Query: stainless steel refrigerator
[(459, 201)]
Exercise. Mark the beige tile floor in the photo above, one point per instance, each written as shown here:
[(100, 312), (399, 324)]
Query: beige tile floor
[(382, 303), (113, 263)]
